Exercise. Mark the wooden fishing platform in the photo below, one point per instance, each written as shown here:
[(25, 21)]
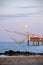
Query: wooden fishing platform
[(33, 38)]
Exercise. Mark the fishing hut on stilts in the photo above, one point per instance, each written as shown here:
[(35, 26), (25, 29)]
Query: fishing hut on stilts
[(33, 38)]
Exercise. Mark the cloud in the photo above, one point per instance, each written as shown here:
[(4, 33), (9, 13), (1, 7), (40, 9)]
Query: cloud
[(20, 15), (31, 7)]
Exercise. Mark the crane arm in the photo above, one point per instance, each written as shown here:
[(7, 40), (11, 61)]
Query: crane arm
[(16, 32), (24, 34)]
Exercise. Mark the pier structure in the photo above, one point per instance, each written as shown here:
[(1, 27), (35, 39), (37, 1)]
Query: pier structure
[(33, 38)]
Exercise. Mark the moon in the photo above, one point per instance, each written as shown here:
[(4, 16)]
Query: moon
[(25, 26)]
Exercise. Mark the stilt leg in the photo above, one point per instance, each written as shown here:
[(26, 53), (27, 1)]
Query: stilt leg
[(33, 43), (42, 43), (38, 43), (28, 43)]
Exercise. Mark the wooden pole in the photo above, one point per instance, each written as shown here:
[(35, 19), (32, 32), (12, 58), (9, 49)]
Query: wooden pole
[(42, 42), (27, 42), (38, 43), (33, 43)]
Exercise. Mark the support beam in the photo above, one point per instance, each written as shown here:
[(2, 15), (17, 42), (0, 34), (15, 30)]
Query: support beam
[(33, 43), (42, 42), (27, 42), (38, 43)]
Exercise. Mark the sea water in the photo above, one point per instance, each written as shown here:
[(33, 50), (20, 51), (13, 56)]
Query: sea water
[(6, 46)]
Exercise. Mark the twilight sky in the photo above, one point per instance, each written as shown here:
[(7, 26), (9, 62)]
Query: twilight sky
[(15, 13)]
